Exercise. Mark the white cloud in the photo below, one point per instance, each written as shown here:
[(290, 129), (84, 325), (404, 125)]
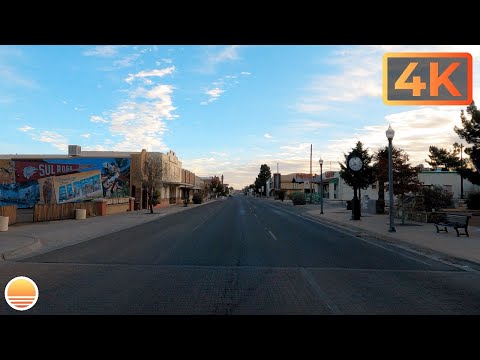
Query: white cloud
[(126, 61), (415, 131), (238, 172), (218, 153), (360, 69), (226, 81), (168, 61), (86, 136), (140, 121), (228, 53), (214, 92), (268, 136), (216, 55), (245, 73), (102, 51), (57, 140), (295, 149), (97, 119), (95, 148), (214, 95), (9, 76), (26, 128), (144, 74)]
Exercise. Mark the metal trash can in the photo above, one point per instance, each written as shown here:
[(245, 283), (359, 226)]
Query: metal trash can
[(349, 204)]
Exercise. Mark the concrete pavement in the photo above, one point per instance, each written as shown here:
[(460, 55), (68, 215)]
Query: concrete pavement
[(28, 239)]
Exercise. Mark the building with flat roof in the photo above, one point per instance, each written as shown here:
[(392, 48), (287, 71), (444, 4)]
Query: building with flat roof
[(28, 179)]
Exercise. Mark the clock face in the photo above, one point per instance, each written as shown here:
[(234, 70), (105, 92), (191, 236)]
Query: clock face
[(355, 163)]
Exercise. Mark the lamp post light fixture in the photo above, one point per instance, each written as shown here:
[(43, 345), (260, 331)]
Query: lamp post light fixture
[(390, 134), (320, 161)]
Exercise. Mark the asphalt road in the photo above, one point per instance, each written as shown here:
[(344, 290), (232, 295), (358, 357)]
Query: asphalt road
[(241, 255)]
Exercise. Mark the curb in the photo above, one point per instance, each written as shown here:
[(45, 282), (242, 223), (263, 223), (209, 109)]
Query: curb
[(418, 249), (36, 245), (7, 255)]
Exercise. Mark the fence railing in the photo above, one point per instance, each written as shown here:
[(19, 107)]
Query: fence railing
[(116, 201), (11, 212), (51, 212)]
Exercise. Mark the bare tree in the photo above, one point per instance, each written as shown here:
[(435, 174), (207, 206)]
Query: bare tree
[(152, 176)]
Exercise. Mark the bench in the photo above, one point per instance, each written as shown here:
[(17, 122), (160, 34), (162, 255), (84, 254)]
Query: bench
[(457, 221)]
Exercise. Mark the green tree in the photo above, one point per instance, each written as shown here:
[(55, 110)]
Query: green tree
[(435, 197), (262, 178), (450, 160), (380, 167), (216, 184), (363, 178), (405, 180), (470, 132)]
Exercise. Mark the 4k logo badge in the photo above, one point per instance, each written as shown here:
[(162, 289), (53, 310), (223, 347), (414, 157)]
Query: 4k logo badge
[(427, 78)]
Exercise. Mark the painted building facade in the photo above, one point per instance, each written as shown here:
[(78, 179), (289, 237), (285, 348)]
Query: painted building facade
[(27, 181)]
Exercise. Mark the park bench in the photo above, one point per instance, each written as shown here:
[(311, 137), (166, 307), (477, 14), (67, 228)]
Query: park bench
[(457, 221)]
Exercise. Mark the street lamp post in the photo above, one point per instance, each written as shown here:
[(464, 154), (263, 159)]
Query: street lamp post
[(461, 176), (390, 134), (321, 185)]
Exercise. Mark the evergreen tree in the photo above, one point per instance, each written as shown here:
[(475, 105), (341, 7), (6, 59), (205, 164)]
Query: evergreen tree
[(262, 178), (359, 179), (440, 157), (363, 178), (470, 131)]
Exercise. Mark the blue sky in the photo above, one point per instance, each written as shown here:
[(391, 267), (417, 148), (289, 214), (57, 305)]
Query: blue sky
[(223, 109)]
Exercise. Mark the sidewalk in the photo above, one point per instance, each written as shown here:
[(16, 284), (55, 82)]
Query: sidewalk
[(419, 236), (28, 239)]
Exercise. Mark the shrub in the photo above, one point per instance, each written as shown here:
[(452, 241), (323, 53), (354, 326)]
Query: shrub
[(473, 201), (279, 194), (436, 197), (298, 198), (197, 198)]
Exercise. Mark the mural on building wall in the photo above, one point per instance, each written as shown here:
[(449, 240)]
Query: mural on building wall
[(7, 172), (65, 180)]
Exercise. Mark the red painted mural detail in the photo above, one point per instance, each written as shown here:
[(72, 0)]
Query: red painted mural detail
[(34, 170)]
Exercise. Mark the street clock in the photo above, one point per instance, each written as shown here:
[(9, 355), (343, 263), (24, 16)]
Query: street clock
[(354, 162)]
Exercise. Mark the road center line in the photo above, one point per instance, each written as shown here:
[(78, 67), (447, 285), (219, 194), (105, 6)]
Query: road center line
[(272, 235), (196, 227)]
